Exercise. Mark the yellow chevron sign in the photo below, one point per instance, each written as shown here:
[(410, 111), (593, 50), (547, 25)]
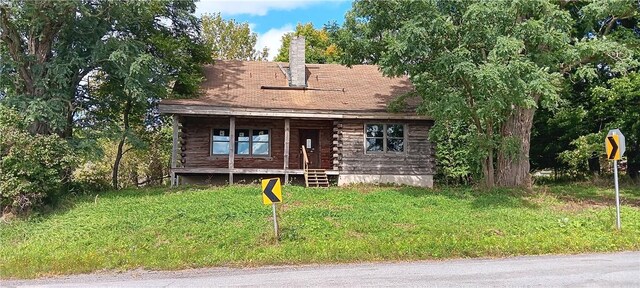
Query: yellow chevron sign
[(271, 191), (614, 145), (613, 151)]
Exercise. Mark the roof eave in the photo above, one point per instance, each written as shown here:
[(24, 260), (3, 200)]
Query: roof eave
[(201, 110)]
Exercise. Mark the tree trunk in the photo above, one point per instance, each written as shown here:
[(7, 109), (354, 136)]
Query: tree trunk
[(488, 170), (513, 168), (594, 164), (120, 152), (39, 127)]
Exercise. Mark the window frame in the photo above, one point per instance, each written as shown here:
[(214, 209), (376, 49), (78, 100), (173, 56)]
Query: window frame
[(251, 144), (385, 149), (213, 142), (235, 149)]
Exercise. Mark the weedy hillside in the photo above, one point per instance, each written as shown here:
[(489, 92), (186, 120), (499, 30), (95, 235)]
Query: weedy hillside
[(229, 226)]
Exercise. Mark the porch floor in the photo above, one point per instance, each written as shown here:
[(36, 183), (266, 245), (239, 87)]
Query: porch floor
[(179, 171)]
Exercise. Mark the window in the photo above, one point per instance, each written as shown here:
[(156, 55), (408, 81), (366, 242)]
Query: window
[(384, 138), (395, 138), (220, 144), (248, 142), (242, 142), (260, 142)]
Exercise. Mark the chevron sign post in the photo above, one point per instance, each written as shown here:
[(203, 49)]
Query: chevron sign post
[(615, 146), (272, 194)]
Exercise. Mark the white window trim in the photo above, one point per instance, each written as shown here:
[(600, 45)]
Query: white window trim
[(384, 138), (250, 155)]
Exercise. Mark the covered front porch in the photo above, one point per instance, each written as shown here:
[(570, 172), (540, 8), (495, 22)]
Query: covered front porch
[(240, 148)]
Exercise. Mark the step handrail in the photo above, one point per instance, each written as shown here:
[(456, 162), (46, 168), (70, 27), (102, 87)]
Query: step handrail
[(306, 158)]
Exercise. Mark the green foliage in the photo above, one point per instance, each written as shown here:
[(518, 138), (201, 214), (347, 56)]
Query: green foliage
[(99, 68), (319, 47), (32, 167), (585, 148), (144, 165), (190, 228), (621, 104), (553, 132), (33, 76), (490, 64), (603, 100), (457, 162), (75, 40), (230, 40), (92, 177)]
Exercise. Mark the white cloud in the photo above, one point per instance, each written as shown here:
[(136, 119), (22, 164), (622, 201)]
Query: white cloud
[(251, 7), (272, 39)]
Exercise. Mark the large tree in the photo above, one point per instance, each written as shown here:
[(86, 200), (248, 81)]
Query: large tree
[(593, 106), (37, 80), (319, 46), (488, 63), (230, 40), (155, 60), (98, 64), (48, 48)]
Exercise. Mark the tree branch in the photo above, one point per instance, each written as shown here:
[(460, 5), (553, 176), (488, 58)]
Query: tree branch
[(128, 149), (608, 27), (15, 45), (467, 89)]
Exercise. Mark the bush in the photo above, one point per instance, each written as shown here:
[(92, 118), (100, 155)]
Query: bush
[(92, 177), (32, 167)]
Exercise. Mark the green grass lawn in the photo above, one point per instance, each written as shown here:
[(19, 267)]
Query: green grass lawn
[(229, 226)]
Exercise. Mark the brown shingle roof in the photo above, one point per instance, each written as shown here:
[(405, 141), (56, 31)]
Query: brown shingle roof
[(237, 84)]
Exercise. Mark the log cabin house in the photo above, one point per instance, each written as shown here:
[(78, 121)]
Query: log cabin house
[(295, 121)]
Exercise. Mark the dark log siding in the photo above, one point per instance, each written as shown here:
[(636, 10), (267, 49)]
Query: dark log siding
[(197, 137), (418, 158)]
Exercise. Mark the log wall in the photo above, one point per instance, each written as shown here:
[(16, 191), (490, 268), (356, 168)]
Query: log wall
[(196, 139), (350, 157), (342, 146)]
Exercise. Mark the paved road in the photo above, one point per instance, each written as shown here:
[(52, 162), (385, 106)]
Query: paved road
[(597, 270)]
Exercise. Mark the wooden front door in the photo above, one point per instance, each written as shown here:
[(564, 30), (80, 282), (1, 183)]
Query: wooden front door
[(309, 138)]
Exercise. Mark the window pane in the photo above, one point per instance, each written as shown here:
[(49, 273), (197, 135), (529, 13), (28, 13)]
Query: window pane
[(396, 131), (220, 147), (260, 148), (261, 135), (395, 144), (242, 135), (375, 130), (242, 148), (220, 134), (374, 144)]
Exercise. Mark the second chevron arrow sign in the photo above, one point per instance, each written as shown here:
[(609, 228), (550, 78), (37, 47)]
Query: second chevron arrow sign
[(614, 145)]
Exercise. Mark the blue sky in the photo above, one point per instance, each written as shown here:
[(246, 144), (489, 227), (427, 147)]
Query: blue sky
[(272, 19)]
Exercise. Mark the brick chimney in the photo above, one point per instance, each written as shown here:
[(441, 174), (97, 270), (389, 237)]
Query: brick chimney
[(296, 62)]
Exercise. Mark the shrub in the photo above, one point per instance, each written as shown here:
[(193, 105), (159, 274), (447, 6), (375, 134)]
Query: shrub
[(32, 167), (92, 177)]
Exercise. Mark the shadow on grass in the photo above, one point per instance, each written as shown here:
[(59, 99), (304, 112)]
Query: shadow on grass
[(585, 192), (480, 199)]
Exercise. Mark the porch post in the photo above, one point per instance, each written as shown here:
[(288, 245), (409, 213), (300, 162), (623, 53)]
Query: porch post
[(174, 152), (286, 150), (232, 146)]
